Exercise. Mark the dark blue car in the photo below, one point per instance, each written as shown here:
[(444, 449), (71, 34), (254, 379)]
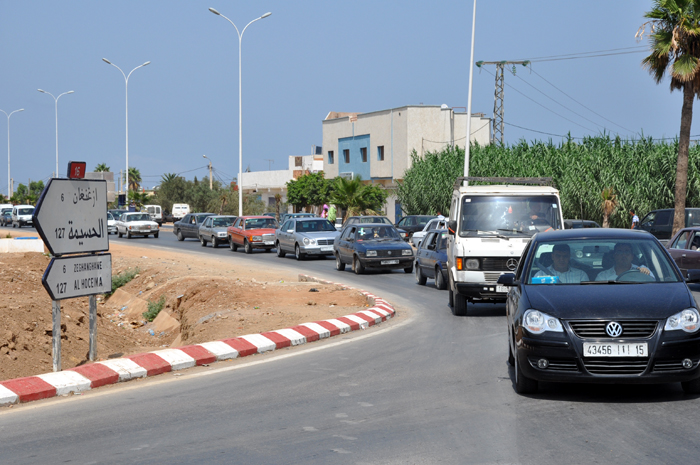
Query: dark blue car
[(431, 258), (601, 306), (372, 245)]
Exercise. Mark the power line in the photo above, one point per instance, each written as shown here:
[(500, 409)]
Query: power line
[(571, 56)]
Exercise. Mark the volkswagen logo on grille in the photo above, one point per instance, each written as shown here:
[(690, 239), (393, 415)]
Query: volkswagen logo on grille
[(389, 252), (614, 329), (512, 264)]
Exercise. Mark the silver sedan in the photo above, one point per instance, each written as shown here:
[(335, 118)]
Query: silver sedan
[(213, 230), (306, 236)]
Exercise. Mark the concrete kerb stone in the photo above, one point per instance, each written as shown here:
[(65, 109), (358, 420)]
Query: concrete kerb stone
[(85, 377)]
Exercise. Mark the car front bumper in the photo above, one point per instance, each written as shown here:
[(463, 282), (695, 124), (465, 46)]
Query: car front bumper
[(403, 262)]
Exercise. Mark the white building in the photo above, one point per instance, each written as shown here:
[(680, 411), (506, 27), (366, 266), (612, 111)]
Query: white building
[(377, 146)]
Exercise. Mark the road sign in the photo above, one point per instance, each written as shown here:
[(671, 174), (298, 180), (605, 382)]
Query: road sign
[(78, 276), (71, 216)]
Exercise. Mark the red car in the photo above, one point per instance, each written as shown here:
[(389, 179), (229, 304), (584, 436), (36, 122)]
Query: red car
[(252, 232)]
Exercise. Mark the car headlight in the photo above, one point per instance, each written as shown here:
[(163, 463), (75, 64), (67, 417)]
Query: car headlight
[(407, 252), (221, 234), (537, 322), (472, 264), (687, 320), (308, 241), (257, 238), (371, 253)]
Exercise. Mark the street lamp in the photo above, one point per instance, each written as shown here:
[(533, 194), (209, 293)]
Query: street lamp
[(9, 186), (126, 79), (210, 181), (240, 107), (56, 102)]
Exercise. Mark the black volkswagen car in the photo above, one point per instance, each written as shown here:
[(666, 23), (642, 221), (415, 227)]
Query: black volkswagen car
[(372, 245), (601, 306)]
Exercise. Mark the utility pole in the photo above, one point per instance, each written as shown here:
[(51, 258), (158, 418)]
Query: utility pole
[(210, 178), (497, 133), (269, 164)]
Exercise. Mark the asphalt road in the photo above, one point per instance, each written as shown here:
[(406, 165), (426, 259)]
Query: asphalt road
[(426, 388)]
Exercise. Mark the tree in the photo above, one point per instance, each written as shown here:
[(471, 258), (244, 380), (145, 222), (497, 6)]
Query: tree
[(309, 189), (134, 178), (608, 205), (675, 44), (357, 198), (427, 185), (102, 167)]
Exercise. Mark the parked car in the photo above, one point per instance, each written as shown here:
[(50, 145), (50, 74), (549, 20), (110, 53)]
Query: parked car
[(373, 219), (214, 229), (578, 224), (111, 224), (189, 225), (414, 223), (683, 248), (372, 245), (136, 224), (431, 259), (622, 316), (22, 215), (117, 212), (306, 236), (155, 212), (287, 216), (660, 222), (436, 223), (252, 232), (6, 216)]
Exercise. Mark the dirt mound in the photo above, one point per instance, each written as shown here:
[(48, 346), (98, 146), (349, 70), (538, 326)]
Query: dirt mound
[(200, 305)]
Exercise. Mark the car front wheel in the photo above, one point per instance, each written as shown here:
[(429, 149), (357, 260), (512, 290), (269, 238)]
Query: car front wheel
[(214, 242), (357, 266), (180, 237), (523, 384), (298, 254), (202, 241), (280, 252), (247, 247)]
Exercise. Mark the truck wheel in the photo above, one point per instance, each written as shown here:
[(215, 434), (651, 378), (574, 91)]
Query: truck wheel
[(459, 306), (420, 279), (180, 237)]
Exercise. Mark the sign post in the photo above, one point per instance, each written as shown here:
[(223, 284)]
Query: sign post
[(71, 218)]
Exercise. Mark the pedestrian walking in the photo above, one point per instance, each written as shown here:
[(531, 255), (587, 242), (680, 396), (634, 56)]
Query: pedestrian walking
[(324, 213), (332, 214), (635, 220)]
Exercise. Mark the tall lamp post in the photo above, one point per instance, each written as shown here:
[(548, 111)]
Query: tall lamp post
[(55, 99), (9, 186), (240, 106), (211, 187), (126, 80)]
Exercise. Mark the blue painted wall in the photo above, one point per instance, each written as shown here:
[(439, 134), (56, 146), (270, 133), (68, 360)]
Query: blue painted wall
[(354, 144)]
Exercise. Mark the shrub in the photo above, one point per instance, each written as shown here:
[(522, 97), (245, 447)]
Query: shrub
[(122, 278), (154, 308)]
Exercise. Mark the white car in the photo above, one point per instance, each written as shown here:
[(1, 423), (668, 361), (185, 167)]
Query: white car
[(111, 224), (136, 224), (436, 223)]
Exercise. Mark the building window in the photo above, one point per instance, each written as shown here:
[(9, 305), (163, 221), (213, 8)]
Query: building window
[(330, 157), (363, 152), (346, 155), (380, 152)]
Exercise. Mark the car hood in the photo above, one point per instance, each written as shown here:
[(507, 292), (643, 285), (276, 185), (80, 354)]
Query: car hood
[(396, 244), (258, 232), (319, 234), (649, 300)]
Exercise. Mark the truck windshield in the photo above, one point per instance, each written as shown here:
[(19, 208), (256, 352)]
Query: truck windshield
[(508, 215)]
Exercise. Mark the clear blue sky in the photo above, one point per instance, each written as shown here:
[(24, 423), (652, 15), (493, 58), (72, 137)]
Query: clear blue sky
[(308, 58)]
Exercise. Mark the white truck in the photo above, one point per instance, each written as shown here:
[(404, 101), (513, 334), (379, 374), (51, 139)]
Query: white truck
[(180, 210), (489, 226)]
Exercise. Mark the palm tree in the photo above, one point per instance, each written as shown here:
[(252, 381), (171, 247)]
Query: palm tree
[(167, 177), (102, 167), (350, 195), (675, 47), (134, 178), (608, 206)]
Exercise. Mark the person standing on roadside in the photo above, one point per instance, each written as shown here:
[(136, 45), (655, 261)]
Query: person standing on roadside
[(331, 214), (635, 220), (324, 213)]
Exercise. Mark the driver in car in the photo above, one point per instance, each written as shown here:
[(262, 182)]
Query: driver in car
[(622, 253), (560, 267)]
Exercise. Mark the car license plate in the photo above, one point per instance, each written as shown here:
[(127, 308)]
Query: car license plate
[(327, 249), (503, 289), (269, 242), (615, 349), (390, 262)]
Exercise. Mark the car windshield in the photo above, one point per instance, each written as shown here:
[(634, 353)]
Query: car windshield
[(260, 223), (599, 261), (508, 216), (374, 219), (375, 233), (138, 217), (25, 211), (223, 222), (315, 226)]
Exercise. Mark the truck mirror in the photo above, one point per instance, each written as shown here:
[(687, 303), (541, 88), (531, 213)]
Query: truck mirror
[(452, 226)]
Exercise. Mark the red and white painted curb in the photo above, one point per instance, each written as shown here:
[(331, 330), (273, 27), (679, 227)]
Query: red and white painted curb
[(112, 371)]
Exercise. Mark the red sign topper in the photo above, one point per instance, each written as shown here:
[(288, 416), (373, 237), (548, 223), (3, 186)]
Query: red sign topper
[(76, 169)]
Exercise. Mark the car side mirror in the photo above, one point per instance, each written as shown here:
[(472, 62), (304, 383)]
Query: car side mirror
[(290, 230), (452, 227), (431, 246), (693, 276), (508, 279)]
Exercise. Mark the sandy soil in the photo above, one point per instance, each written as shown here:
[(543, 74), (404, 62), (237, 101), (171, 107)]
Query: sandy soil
[(205, 300)]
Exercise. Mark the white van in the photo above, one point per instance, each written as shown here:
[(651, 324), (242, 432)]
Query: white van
[(180, 210), (155, 212), (22, 215), (489, 226), (5, 205)]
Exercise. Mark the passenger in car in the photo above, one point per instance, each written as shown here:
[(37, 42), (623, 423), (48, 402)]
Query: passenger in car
[(623, 256), (561, 254)]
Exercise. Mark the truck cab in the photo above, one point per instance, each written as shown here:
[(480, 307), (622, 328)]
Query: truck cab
[(489, 226)]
